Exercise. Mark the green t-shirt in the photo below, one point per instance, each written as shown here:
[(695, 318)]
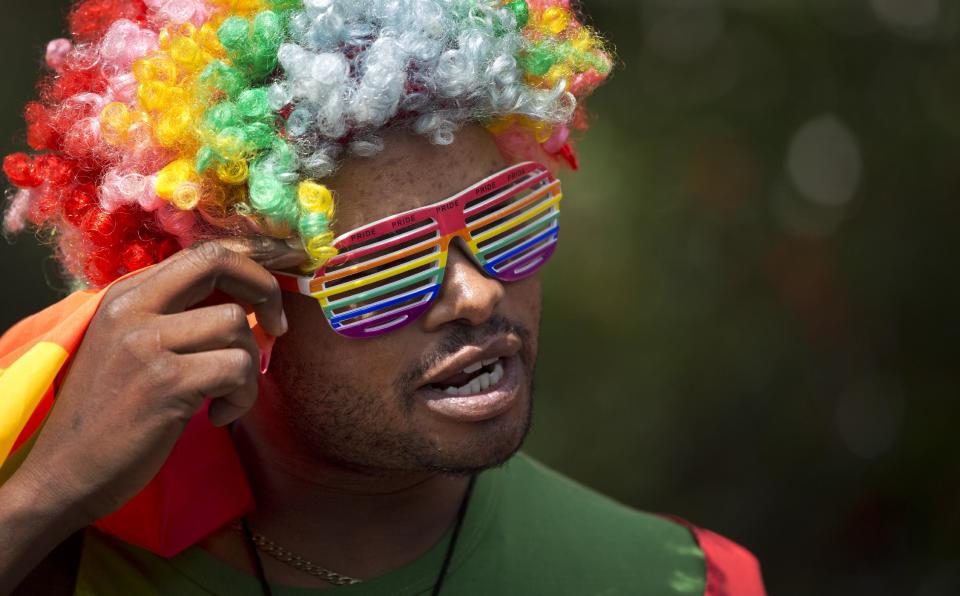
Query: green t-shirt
[(528, 531)]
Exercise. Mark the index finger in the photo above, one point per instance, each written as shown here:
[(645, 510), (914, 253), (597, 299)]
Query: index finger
[(269, 252), (192, 275)]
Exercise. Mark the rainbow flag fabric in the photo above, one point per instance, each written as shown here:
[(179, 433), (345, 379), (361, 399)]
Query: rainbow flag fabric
[(200, 488)]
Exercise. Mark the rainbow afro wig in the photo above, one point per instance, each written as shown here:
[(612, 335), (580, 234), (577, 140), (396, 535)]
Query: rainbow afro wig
[(162, 122)]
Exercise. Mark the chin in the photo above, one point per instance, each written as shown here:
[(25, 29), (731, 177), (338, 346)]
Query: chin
[(358, 430), (477, 446), (431, 445)]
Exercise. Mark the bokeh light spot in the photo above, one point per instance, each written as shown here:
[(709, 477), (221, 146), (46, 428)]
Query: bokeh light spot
[(869, 417), (683, 30), (907, 13), (824, 161)]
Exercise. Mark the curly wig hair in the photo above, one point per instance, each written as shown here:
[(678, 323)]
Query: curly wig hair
[(161, 122)]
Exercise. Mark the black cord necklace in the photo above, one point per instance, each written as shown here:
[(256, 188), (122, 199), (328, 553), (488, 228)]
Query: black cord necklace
[(444, 567)]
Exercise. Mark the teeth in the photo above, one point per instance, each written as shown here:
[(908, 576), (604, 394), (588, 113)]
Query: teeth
[(478, 365), (480, 382), (497, 374)]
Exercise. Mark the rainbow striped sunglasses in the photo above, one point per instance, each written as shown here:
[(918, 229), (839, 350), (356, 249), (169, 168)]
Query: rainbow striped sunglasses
[(387, 273)]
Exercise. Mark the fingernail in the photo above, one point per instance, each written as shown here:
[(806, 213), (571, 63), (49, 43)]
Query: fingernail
[(283, 321)]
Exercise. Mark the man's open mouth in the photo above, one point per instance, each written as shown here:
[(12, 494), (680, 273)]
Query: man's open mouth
[(485, 388), (472, 380), (477, 383)]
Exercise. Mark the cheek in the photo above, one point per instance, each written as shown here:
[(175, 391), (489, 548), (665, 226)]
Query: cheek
[(522, 304), (312, 356), (523, 301), (309, 341)]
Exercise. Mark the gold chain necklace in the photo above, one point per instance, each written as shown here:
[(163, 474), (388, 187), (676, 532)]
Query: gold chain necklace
[(297, 562), (262, 543)]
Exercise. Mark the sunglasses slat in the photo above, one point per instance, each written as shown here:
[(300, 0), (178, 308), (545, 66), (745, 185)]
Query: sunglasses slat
[(494, 263), (520, 265), (532, 259), (504, 195), (364, 265), (528, 230), (380, 291), (379, 276), (349, 254), (356, 329), (511, 223), (384, 304), (514, 207)]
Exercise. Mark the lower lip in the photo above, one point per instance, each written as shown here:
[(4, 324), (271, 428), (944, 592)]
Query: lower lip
[(481, 406)]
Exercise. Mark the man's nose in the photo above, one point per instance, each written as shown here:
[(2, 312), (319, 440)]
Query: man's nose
[(467, 294)]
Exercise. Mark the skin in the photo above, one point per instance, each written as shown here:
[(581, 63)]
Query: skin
[(349, 467)]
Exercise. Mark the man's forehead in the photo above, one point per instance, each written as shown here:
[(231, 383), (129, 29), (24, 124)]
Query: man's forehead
[(411, 172)]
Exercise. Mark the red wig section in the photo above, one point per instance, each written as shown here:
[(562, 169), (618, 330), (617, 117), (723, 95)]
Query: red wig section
[(90, 19), (61, 181)]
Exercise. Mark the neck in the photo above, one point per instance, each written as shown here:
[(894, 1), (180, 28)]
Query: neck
[(357, 522)]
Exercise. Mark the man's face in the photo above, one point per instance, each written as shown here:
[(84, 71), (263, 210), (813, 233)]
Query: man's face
[(380, 403)]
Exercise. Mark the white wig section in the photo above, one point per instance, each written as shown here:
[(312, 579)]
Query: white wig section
[(354, 65)]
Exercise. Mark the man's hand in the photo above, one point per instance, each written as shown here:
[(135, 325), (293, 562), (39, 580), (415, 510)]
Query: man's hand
[(143, 370)]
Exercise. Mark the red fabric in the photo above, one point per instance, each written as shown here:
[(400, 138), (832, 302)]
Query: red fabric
[(200, 488), (731, 569)]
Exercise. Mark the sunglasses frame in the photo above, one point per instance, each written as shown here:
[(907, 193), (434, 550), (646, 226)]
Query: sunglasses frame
[(449, 219)]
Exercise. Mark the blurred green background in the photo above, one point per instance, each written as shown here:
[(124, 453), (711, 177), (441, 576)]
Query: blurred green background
[(751, 320)]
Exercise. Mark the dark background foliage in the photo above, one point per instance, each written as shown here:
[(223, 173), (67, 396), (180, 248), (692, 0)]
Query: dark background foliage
[(751, 319)]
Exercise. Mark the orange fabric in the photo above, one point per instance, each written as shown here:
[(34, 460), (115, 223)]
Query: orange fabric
[(50, 324)]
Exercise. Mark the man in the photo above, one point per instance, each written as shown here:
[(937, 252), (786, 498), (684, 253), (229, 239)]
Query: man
[(379, 435)]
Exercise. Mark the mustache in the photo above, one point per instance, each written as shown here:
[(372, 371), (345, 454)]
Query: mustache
[(459, 336)]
